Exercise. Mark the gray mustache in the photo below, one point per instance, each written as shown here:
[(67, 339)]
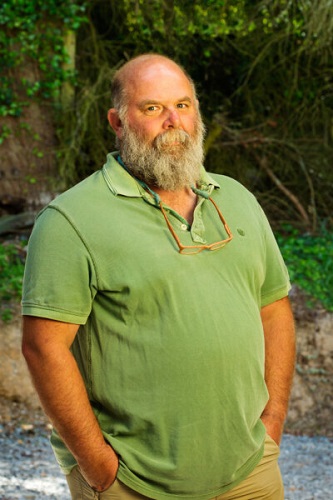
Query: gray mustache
[(171, 136)]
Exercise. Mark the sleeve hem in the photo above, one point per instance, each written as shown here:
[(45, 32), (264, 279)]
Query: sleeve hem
[(275, 295), (56, 315)]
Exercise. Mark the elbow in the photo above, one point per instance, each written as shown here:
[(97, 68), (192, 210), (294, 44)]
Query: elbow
[(28, 351), (29, 344)]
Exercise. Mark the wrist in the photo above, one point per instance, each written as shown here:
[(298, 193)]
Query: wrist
[(277, 416), (101, 470), (274, 426)]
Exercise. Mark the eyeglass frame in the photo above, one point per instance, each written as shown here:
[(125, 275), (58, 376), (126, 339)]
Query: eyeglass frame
[(199, 248)]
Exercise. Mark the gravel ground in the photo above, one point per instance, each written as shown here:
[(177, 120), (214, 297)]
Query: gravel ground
[(28, 470)]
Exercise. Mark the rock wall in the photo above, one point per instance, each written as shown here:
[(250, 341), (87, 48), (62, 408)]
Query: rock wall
[(15, 383), (311, 405)]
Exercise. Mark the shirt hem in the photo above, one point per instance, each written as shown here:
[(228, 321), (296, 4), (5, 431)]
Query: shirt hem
[(158, 495)]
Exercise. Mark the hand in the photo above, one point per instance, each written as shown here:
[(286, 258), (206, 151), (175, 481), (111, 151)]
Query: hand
[(101, 474)]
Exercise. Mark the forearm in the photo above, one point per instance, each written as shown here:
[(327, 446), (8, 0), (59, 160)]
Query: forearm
[(64, 399), (63, 395), (279, 334)]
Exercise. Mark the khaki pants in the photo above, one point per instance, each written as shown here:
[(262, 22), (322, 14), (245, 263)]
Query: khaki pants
[(264, 483)]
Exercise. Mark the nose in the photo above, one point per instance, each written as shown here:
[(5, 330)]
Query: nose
[(172, 119)]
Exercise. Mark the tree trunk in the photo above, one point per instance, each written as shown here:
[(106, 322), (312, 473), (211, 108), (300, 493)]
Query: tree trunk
[(27, 160)]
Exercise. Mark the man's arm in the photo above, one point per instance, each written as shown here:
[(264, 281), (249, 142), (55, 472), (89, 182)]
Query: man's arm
[(60, 387), (279, 332)]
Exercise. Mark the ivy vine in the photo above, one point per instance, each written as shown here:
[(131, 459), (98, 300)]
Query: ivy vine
[(32, 32)]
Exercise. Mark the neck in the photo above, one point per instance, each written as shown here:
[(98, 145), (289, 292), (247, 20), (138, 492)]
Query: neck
[(182, 201)]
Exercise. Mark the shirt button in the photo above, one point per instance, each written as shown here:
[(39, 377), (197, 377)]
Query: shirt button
[(183, 227)]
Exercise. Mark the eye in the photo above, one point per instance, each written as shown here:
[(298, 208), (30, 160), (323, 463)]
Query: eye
[(183, 105), (151, 109)]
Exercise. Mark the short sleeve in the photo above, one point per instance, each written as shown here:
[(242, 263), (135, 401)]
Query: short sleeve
[(60, 279)]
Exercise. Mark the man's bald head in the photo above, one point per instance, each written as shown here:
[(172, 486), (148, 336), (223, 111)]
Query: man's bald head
[(131, 71)]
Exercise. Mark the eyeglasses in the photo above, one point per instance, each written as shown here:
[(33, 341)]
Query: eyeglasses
[(193, 249)]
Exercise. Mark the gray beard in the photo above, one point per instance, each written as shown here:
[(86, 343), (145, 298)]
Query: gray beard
[(162, 164)]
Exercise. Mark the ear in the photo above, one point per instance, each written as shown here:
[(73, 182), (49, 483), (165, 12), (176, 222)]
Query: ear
[(115, 122)]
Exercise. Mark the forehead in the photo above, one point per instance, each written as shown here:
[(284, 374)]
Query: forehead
[(157, 82)]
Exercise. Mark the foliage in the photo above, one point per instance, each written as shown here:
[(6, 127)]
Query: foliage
[(275, 129), (264, 76), (117, 31), (264, 72), (11, 272), (32, 32), (309, 259)]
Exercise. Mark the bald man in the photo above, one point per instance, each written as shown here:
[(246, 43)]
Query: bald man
[(157, 326)]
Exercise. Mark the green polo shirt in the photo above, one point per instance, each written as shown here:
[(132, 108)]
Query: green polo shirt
[(170, 346)]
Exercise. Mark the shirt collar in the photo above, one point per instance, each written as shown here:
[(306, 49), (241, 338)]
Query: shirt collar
[(122, 183)]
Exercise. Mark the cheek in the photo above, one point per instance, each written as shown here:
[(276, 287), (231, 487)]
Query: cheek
[(190, 124), (149, 131), (145, 135)]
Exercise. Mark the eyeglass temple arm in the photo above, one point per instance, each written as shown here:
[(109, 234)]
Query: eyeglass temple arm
[(227, 228), (173, 232)]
